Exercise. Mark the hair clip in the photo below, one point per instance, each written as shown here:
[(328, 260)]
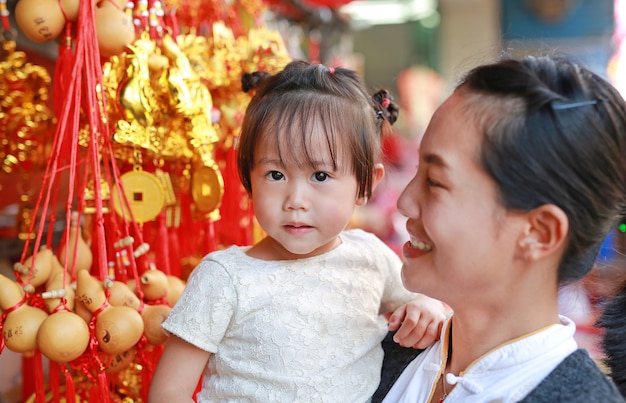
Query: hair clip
[(331, 70), (559, 105), (385, 102)]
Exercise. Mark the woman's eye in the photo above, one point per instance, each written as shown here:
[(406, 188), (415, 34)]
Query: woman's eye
[(320, 176), (275, 175), (431, 183)]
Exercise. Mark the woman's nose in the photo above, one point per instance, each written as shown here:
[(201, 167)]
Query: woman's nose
[(408, 201)]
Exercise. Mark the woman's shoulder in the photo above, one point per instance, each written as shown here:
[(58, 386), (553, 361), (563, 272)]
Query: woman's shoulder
[(395, 360), (577, 379)]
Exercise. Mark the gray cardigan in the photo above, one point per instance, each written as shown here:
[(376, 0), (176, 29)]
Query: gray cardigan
[(575, 380)]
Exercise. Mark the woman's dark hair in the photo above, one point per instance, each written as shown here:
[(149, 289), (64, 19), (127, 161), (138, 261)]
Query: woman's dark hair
[(554, 133), (291, 104), (613, 323)]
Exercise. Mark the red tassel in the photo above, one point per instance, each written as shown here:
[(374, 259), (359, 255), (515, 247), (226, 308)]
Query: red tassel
[(60, 84), (2, 342), (70, 390), (53, 381), (162, 245), (174, 247), (146, 378), (40, 389), (209, 233), (103, 385), (186, 229), (28, 373), (236, 212)]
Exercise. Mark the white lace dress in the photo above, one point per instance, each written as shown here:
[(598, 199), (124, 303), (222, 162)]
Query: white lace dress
[(291, 331)]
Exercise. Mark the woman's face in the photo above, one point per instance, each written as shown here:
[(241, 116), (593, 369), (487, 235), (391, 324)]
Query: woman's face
[(461, 239)]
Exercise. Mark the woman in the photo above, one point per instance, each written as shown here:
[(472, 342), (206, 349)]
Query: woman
[(522, 174)]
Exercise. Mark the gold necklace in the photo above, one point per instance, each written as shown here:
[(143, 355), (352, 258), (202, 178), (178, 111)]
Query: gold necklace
[(443, 385)]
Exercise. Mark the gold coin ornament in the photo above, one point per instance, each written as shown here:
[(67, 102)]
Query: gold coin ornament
[(207, 187), (144, 193)]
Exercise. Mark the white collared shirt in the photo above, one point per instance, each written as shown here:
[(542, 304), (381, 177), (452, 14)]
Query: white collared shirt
[(506, 374)]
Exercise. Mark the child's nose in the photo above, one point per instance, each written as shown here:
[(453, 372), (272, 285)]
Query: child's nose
[(296, 197)]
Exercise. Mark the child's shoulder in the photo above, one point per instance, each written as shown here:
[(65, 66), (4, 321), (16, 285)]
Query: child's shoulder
[(360, 234), (231, 256), (361, 237), (223, 263)]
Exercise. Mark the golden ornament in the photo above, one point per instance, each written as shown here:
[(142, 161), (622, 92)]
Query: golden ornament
[(21, 325), (207, 186), (144, 194), (63, 336)]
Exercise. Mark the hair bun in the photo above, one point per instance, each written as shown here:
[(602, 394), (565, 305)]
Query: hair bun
[(390, 111), (253, 80)]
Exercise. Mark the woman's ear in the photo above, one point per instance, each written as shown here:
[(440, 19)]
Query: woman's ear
[(545, 232), (377, 176)]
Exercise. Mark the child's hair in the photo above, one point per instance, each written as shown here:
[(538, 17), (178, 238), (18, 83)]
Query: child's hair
[(304, 97), (554, 133)]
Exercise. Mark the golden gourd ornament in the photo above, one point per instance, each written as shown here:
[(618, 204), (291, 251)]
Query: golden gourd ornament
[(115, 363), (114, 29), (63, 336), (81, 310), (57, 288), (75, 245), (117, 328), (152, 315), (175, 287), (41, 264), (41, 20), (154, 284), (22, 321), (121, 295)]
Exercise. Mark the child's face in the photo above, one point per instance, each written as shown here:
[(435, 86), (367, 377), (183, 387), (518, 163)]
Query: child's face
[(302, 208), (462, 239)]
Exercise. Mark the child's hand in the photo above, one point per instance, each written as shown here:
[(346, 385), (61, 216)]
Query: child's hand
[(418, 322)]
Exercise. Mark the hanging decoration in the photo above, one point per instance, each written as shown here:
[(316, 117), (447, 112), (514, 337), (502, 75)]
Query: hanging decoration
[(25, 116), (148, 107), (82, 332), (176, 105), (26, 119)]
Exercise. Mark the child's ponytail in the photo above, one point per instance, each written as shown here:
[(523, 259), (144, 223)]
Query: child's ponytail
[(387, 112)]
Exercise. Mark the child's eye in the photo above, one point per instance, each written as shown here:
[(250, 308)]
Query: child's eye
[(275, 175), (320, 176)]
